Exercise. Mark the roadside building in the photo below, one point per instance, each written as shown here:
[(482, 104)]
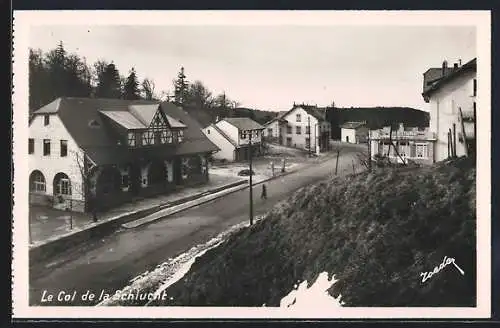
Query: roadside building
[(112, 150), (451, 95), (274, 130), (303, 126), (232, 136), (354, 132), (408, 143)]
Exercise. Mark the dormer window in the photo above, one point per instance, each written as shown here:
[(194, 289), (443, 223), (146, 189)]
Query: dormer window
[(93, 124), (46, 120), (180, 136)]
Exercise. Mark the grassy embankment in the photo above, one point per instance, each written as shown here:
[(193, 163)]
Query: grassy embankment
[(377, 232)]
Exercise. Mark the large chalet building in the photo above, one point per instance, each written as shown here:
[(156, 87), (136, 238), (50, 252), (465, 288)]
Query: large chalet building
[(109, 151)]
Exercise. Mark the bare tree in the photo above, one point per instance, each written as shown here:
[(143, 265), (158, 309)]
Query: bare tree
[(148, 89), (85, 168)]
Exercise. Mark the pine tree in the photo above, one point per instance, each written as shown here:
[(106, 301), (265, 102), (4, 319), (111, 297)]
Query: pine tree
[(131, 87), (109, 85), (39, 86), (181, 88)]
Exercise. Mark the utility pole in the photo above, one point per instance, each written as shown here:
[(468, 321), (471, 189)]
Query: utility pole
[(309, 134), (251, 173), (337, 162), (369, 153)]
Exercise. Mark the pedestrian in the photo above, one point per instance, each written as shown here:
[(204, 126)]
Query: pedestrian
[(264, 192)]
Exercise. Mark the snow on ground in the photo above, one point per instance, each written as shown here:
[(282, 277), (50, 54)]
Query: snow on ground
[(171, 271), (316, 296)]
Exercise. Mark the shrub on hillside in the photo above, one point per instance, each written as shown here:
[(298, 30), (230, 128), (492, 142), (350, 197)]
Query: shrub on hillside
[(377, 232)]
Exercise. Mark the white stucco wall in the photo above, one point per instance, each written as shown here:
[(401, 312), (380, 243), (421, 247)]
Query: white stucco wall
[(299, 140), (54, 163), (226, 148), (345, 133), (275, 129), (443, 107)]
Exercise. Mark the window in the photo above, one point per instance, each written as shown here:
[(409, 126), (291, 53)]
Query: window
[(288, 141), (31, 146), (298, 130), (131, 139), (308, 129), (270, 132), (46, 147), (208, 131), (288, 129), (163, 136), (169, 136), (421, 150), (243, 134), (125, 181), (37, 182), (474, 88), (64, 148), (46, 120), (413, 150), (64, 187), (180, 136), (297, 118), (62, 184), (308, 143), (147, 138)]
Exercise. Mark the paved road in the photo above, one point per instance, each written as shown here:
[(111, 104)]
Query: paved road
[(110, 263)]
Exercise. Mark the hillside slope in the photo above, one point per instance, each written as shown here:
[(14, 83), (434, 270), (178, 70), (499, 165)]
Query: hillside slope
[(376, 232)]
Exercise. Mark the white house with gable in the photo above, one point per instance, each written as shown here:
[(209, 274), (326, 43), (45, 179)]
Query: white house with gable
[(303, 126), (232, 136), (451, 95)]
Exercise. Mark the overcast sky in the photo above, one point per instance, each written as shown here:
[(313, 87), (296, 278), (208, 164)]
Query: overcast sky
[(270, 67)]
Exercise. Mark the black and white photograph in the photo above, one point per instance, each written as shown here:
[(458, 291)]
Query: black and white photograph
[(251, 164)]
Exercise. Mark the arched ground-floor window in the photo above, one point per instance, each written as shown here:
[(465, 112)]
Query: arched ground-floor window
[(62, 184), (37, 182)]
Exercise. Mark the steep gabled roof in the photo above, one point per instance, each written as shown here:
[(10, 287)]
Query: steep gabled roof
[(222, 133), (317, 112), (243, 123), (144, 112)]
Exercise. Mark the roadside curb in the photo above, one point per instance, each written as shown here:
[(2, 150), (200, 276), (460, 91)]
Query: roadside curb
[(171, 210), (61, 243)]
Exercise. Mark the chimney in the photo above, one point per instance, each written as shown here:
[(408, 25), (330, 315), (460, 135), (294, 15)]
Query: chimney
[(459, 62), (445, 66)]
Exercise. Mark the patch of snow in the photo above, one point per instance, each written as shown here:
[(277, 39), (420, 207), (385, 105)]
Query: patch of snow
[(317, 295)]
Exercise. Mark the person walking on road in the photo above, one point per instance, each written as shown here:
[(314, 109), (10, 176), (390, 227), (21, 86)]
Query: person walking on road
[(264, 192)]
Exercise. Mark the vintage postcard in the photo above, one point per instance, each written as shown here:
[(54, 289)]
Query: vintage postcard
[(226, 164)]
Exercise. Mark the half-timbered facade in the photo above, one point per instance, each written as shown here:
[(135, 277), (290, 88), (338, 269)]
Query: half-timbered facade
[(112, 151)]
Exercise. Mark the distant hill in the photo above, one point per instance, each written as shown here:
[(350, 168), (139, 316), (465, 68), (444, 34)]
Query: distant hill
[(260, 116), (207, 116), (376, 117)]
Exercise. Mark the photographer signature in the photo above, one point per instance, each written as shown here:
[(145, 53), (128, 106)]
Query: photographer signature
[(446, 261)]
